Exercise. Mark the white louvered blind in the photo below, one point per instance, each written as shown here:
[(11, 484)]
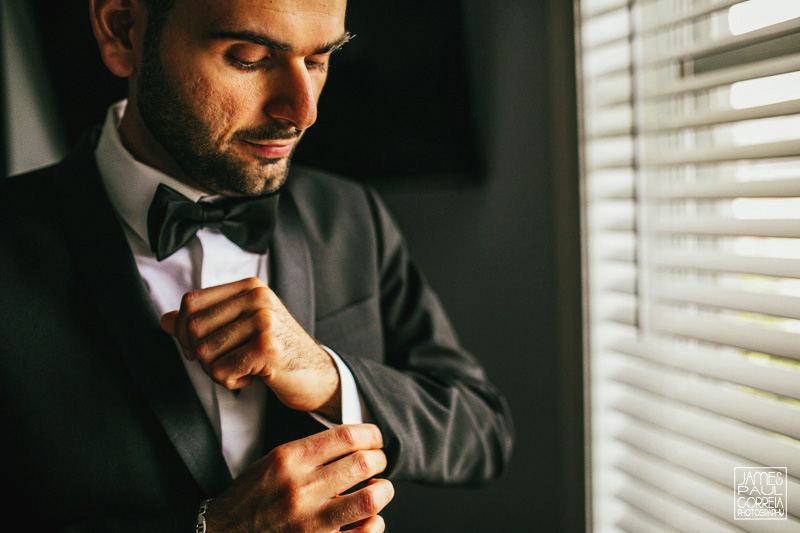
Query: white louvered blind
[(690, 128)]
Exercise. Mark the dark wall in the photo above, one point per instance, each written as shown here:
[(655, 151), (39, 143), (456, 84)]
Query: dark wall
[(490, 251), (401, 76), (501, 250)]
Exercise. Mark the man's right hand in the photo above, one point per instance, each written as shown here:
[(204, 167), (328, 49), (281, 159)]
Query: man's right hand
[(298, 486)]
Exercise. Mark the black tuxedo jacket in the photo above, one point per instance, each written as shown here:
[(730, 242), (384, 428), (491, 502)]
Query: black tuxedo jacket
[(101, 427)]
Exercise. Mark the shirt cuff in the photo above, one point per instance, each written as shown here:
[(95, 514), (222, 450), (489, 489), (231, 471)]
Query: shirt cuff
[(353, 409)]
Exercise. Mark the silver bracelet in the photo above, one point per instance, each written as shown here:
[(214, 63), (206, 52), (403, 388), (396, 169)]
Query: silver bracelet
[(201, 517)]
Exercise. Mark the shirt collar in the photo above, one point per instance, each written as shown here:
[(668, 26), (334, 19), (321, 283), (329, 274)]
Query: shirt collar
[(131, 184)]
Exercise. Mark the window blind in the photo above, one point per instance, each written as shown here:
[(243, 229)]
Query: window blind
[(690, 147)]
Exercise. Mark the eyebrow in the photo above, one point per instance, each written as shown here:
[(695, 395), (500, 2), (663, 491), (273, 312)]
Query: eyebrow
[(263, 40)]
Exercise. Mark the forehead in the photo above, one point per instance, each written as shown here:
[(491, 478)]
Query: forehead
[(303, 23)]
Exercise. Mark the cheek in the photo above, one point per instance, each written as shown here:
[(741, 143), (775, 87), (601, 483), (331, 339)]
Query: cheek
[(218, 105), (248, 92)]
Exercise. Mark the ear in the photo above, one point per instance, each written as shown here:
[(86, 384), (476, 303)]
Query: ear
[(115, 24)]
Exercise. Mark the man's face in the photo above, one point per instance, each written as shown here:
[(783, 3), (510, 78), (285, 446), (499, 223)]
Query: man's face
[(229, 86)]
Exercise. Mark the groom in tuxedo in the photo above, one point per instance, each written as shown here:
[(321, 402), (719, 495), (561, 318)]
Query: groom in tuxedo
[(195, 335)]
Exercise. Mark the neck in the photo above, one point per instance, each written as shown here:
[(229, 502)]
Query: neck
[(138, 140)]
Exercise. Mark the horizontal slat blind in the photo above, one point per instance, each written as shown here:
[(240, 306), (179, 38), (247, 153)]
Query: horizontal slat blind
[(718, 45), (721, 78), (691, 169)]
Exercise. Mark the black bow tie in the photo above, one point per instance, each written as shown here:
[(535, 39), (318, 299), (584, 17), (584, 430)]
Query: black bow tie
[(173, 220)]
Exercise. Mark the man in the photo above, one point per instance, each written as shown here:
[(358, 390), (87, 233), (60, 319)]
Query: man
[(168, 347)]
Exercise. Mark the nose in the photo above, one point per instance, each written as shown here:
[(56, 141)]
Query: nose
[(293, 96)]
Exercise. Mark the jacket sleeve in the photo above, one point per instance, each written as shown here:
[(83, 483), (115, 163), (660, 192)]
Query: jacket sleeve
[(166, 521), (442, 420)]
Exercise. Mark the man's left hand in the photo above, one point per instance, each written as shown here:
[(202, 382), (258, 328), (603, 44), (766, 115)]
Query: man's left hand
[(241, 330)]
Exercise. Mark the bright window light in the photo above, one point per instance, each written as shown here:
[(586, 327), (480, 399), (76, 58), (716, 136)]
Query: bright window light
[(765, 247), (754, 14), (763, 91), (782, 208), (765, 130), (768, 170)]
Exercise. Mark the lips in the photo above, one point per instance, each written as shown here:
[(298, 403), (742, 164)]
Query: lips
[(270, 148)]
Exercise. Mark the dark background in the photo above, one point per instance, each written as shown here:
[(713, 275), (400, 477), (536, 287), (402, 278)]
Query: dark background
[(395, 107), (475, 154)]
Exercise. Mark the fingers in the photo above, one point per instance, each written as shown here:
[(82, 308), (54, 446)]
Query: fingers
[(236, 350), (373, 524), (353, 469), (228, 330), (203, 298), (362, 505), (293, 485), (349, 455), (168, 322), (205, 311), (242, 330), (327, 446), (236, 368)]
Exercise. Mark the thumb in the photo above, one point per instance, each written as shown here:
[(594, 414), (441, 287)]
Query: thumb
[(168, 321)]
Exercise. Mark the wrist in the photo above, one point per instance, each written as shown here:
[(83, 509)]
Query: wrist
[(332, 409)]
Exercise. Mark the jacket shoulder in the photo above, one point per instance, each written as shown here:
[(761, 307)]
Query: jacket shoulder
[(326, 201), (31, 180), (305, 183), (33, 193)]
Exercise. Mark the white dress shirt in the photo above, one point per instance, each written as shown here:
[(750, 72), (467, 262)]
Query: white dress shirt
[(209, 259)]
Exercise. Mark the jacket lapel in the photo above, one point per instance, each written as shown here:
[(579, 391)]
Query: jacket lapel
[(291, 275), (121, 296), (292, 279)]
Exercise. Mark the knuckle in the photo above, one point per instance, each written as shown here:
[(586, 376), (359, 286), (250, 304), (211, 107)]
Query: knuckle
[(219, 372), (364, 463), (260, 295), (253, 282), (348, 435), (194, 326), (368, 502), (282, 457), (263, 319), (263, 343), (202, 349), (212, 343), (189, 300)]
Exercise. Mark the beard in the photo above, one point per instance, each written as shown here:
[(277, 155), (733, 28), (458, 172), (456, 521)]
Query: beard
[(187, 137)]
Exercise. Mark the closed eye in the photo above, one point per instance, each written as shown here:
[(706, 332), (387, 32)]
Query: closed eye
[(247, 65), (319, 63), (248, 56)]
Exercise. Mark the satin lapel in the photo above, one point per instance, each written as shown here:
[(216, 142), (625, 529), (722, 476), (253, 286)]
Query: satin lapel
[(291, 277), (291, 274), (148, 352)]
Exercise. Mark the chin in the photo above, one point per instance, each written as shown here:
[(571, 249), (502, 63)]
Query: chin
[(240, 180), (275, 179)]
